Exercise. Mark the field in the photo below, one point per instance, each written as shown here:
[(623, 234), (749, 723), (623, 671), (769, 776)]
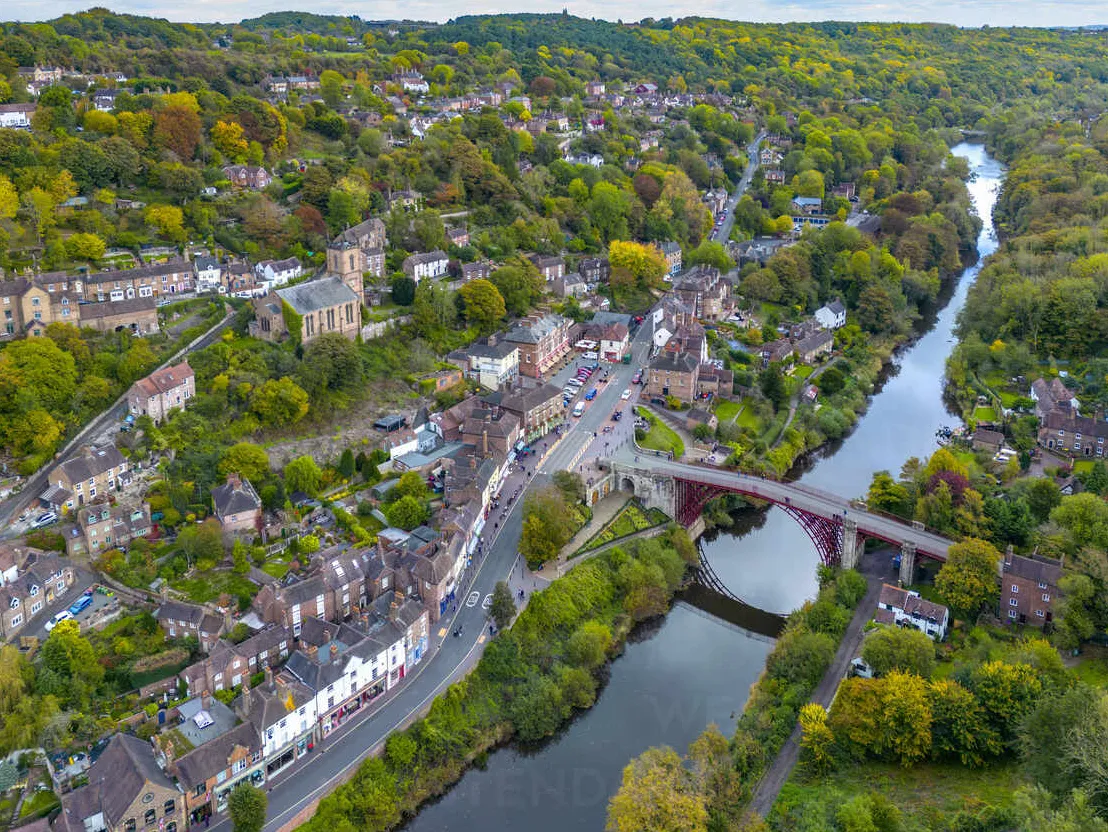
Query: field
[(984, 414), (727, 410)]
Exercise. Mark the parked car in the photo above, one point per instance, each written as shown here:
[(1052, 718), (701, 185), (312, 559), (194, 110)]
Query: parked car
[(637, 378), (617, 415), (626, 394), (579, 409), (64, 615), (44, 520), (590, 395), (81, 604)]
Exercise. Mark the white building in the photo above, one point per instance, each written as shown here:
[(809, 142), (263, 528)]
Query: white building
[(905, 608), (494, 363), (276, 273), (428, 264), (209, 274), (16, 115), (831, 315)]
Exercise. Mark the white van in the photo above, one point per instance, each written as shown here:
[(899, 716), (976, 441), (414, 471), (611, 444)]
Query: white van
[(578, 409)]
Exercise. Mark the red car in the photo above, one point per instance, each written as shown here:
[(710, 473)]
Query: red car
[(637, 379)]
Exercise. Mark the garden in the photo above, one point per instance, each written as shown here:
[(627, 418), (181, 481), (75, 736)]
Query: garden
[(660, 437), (631, 518)]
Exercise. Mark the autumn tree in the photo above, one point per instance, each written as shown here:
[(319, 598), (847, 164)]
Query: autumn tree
[(247, 460), (279, 402), (657, 792), (484, 305), (899, 648), (968, 579), (302, 474), (177, 128), (816, 740)]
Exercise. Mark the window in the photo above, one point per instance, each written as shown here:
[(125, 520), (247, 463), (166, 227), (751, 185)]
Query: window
[(199, 790), (1012, 602), (1012, 613), (17, 619), (1038, 613), (34, 590), (151, 816), (1046, 596), (1042, 585), (1015, 589), (219, 778), (171, 826), (129, 826), (170, 807), (239, 765), (36, 607)]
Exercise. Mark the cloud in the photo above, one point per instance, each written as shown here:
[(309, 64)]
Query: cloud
[(964, 13)]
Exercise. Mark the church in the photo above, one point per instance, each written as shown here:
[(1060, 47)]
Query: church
[(330, 303)]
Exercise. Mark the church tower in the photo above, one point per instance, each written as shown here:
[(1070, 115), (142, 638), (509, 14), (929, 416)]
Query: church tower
[(346, 261)]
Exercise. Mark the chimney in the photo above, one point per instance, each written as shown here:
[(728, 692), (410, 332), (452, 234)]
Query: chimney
[(165, 591), (205, 700), (228, 622), (244, 705), (269, 675), (334, 651), (313, 652)]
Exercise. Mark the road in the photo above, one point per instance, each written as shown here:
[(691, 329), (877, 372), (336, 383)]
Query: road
[(97, 428), (723, 233), (803, 498), (317, 774)]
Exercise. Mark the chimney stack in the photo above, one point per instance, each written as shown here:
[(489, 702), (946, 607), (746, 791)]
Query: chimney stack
[(313, 652), (268, 675), (206, 700), (165, 591), (334, 651)]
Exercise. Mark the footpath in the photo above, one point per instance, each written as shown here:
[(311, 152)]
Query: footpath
[(774, 778)]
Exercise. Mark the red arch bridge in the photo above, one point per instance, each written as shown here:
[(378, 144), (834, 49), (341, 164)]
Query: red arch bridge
[(838, 526)]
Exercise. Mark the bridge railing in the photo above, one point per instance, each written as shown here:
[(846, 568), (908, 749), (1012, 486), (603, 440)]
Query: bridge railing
[(830, 496)]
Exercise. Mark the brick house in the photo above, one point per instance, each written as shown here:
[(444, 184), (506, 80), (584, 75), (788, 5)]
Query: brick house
[(248, 176), (594, 269), (673, 374), (672, 252), (706, 292), (162, 391), (1028, 589), (543, 341), (139, 315), (237, 506), (181, 620), (207, 774), (228, 664), (458, 236), (492, 432), (127, 792), (538, 409), (1064, 430), (550, 267), (94, 470)]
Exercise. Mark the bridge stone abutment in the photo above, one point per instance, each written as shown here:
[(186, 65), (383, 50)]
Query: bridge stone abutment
[(653, 491), (853, 544), (907, 563)]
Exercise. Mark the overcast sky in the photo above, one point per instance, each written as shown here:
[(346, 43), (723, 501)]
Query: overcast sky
[(961, 12)]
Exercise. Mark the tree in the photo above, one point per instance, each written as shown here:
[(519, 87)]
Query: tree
[(202, 543), (246, 459), (968, 578), (772, 385), (589, 645), (645, 262), (484, 305), (302, 474), (904, 718), (177, 128), (571, 485), (82, 246), (547, 525), (1056, 734), (520, 285), (657, 792), (403, 290), (1085, 517), (958, 727), (247, 806), (279, 403), (346, 464), (886, 494), (228, 138), (816, 740), (70, 670), (407, 513), (411, 484), (168, 220), (1038, 811), (503, 606), (899, 648)]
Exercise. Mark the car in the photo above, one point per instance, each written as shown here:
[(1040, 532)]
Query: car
[(617, 415), (626, 394), (579, 409), (44, 520), (637, 378), (24, 515), (590, 395), (80, 605), (64, 615)]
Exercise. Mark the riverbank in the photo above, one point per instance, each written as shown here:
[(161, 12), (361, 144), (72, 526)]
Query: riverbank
[(530, 681)]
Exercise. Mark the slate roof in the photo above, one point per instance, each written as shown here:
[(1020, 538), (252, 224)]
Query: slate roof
[(317, 294), (501, 349), (91, 461), (236, 496), (911, 604), (121, 774), (675, 362), (120, 307), (1040, 570), (528, 400), (212, 757)]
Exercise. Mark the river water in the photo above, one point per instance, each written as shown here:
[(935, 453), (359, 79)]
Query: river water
[(690, 669)]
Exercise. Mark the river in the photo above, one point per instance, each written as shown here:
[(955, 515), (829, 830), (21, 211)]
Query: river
[(689, 670)]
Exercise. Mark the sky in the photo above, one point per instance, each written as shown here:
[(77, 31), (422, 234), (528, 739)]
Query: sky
[(959, 12)]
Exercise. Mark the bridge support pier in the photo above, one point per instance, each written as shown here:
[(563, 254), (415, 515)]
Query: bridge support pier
[(852, 544), (907, 563)]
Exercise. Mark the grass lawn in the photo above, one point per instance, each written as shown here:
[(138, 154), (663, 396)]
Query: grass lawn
[(1083, 466), (661, 437), (924, 793), (1008, 399), (748, 418), (38, 803), (727, 410), (984, 414), (208, 587), (276, 568), (802, 372), (1092, 671)]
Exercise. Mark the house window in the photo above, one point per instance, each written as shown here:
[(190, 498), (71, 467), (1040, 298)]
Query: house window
[(17, 620), (239, 765), (1042, 585), (219, 778), (150, 817), (1015, 589), (171, 826), (1046, 597), (1012, 613), (1012, 602), (170, 807), (36, 607), (199, 790), (1038, 613), (129, 826)]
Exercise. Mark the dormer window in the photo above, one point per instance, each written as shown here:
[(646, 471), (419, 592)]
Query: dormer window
[(34, 590), (14, 603)]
